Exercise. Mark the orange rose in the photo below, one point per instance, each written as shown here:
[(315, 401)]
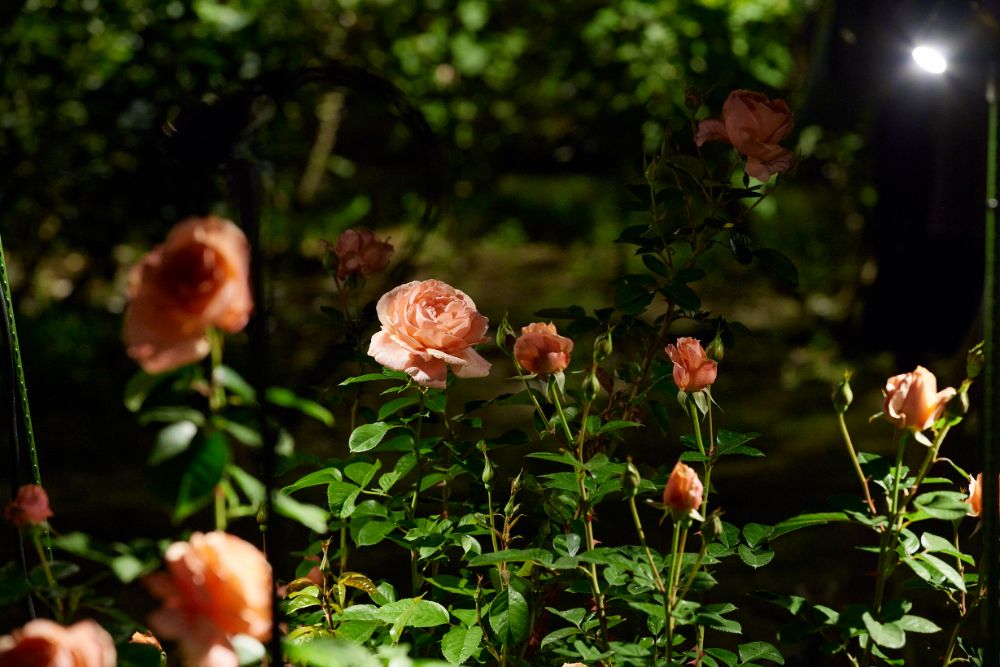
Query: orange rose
[(44, 643), (693, 370), (541, 350), (359, 253), (912, 400), (29, 508), (197, 279), (754, 125), (683, 492), (427, 326), (216, 586)]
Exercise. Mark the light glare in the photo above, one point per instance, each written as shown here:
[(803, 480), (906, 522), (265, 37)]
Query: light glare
[(930, 59)]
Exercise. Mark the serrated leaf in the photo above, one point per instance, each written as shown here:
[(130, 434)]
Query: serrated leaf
[(756, 533), (395, 405), (889, 635), (311, 516), (944, 569), (509, 617), (947, 505), (567, 544), (806, 521), (755, 558), (459, 644), (918, 624), (367, 436), (760, 651), (513, 556), (374, 532)]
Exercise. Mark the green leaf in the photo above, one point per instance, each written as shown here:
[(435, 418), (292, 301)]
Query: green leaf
[(362, 472), (341, 497), (682, 295), (286, 398), (654, 264), (414, 613), (329, 653), (312, 517), (234, 382), (173, 440), (755, 558), (509, 617), (947, 505), (756, 533), (946, 571), (374, 532), (202, 471), (367, 436), (918, 624), (806, 521), (760, 651), (172, 413), (138, 388), (613, 426), (542, 556), (13, 584), (395, 405), (566, 544), (560, 457), (315, 478), (633, 293), (386, 374), (889, 635), (779, 264), (459, 644)]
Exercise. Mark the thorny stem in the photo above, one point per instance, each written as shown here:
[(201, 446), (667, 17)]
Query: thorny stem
[(854, 459), (412, 511), (649, 556)]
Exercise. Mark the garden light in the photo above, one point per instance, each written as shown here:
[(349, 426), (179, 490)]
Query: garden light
[(930, 59)]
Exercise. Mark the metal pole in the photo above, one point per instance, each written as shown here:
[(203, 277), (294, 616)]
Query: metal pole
[(991, 404)]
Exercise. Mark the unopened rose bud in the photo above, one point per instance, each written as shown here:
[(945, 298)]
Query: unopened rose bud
[(541, 350), (683, 492), (716, 350), (591, 387), (843, 396), (963, 401), (487, 475), (29, 508), (631, 479), (974, 362), (912, 400)]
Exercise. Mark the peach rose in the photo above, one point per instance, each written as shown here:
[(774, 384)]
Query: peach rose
[(913, 401), (541, 350), (45, 643), (693, 370), (197, 279), (683, 492), (147, 638), (754, 125), (359, 253), (975, 495), (29, 508), (216, 586), (427, 326)]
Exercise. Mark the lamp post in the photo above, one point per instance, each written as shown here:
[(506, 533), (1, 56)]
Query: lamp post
[(932, 60)]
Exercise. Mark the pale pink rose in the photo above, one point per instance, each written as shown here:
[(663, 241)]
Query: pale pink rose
[(754, 125), (359, 253), (45, 643), (29, 508), (913, 401), (683, 492), (693, 370), (975, 495), (198, 278), (216, 586), (428, 326), (541, 350)]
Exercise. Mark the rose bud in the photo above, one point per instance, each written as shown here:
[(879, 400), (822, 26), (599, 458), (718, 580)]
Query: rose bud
[(29, 508), (843, 396), (975, 499), (683, 492), (693, 370), (541, 350), (912, 400)]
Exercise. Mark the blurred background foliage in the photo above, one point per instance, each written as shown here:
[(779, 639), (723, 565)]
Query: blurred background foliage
[(543, 109)]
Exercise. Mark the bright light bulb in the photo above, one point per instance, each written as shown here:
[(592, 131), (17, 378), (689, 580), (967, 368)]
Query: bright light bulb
[(930, 59)]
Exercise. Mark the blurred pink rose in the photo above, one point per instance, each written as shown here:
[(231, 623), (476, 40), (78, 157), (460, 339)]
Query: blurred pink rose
[(216, 586), (754, 125), (198, 278), (693, 370), (683, 491), (359, 253), (29, 508), (913, 401), (975, 495), (45, 643), (541, 350), (427, 326)]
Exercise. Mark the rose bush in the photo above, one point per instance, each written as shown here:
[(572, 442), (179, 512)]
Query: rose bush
[(198, 278)]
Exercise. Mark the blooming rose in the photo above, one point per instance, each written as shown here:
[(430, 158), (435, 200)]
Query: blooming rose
[(683, 491), (427, 326), (359, 253), (198, 278), (216, 586), (45, 643), (693, 370), (541, 350), (754, 125), (913, 401), (29, 508), (975, 495)]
